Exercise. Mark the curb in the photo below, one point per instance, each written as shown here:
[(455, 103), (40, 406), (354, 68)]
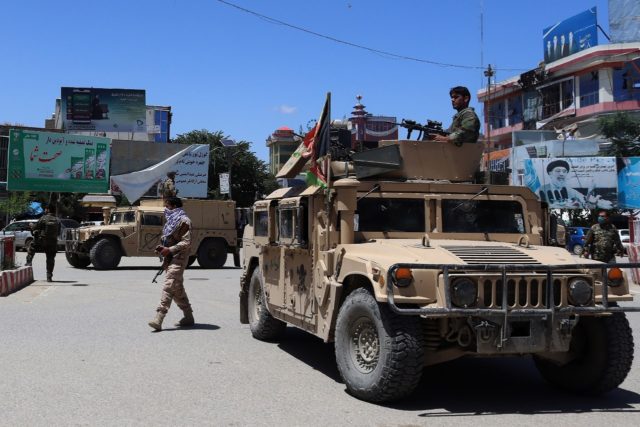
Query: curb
[(14, 280)]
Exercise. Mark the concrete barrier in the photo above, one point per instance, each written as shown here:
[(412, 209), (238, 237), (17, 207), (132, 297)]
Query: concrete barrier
[(14, 280)]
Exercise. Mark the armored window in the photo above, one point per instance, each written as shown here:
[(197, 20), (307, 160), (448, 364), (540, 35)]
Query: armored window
[(285, 224), (482, 216), (403, 215), (116, 218), (148, 219), (129, 216), (261, 222)]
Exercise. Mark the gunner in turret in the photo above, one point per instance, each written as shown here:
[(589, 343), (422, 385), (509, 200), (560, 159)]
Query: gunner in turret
[(465, 127)]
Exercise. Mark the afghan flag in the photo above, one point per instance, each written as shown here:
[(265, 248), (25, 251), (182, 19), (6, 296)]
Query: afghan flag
[(317, 142)]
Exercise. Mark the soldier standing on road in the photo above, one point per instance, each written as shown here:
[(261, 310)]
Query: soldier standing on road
[(465, 127), (176, 241), (45, 237), (168, 186), (603, 240)]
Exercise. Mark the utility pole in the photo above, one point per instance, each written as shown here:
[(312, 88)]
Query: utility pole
[(488, 73)]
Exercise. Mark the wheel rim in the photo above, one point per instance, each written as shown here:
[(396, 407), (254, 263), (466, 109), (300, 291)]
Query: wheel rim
[(364, 345)]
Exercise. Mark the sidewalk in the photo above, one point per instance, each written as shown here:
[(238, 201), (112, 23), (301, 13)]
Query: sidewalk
[(14, 280)]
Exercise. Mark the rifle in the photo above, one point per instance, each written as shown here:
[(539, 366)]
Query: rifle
[(426, 131), (165, 263)]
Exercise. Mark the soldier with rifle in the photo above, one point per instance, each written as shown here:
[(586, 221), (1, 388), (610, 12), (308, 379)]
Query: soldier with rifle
[(45, 238), (465, 127), (176, 241)]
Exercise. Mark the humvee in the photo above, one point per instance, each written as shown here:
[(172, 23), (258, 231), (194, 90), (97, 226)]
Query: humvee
[(404, 262), (136, 231)]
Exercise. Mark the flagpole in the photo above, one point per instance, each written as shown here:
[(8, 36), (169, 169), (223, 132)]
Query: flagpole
[(327, 159)]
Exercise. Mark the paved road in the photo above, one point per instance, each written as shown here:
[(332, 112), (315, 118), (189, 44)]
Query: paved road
[(79, 352)]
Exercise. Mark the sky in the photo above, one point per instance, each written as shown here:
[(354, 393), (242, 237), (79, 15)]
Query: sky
[(224, 66)]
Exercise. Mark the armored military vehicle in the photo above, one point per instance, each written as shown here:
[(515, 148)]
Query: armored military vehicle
[(136, 231), (403, 262)]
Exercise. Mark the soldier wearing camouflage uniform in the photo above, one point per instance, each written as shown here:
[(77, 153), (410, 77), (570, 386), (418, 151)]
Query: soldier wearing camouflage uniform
[(168, 186), (45, 237), (603, 240), (176, 241), (465, 127)]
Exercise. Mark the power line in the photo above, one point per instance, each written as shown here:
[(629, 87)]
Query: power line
[(358, 46)]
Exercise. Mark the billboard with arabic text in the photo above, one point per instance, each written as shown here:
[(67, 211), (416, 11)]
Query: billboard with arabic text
[(44, 161)]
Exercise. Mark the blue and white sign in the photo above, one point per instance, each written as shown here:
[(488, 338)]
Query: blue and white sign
[(572, 35)]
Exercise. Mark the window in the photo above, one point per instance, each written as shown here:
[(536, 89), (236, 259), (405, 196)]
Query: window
[(482, 216), (285, 223), (514, 110), (626, 82), (556, 97), (589, 89), (148, 219), (404, 215), (261, 223), (496, 115)]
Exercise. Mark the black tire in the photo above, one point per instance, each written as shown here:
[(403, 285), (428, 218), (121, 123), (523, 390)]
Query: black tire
[(263, 325), (105, 254), (27, 242), (379, 354), (212, 253), (578, 249), (76, 260), (192, 259), (604, 347), (236, 257)]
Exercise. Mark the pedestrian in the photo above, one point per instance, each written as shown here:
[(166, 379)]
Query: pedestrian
[(176, 242), (603, 240), (168, 186), (45, 237), (465, 127)]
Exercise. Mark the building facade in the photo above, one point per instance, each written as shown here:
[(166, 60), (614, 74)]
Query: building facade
[(567, 95), (367, 129), (281, 143)]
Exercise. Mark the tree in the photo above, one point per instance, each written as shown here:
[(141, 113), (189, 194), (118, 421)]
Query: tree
[(624, 133), (16, 203), (250, 177)]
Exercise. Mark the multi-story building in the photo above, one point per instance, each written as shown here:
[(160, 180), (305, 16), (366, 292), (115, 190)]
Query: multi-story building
[(281, 143), (567, 95), (367, 129)]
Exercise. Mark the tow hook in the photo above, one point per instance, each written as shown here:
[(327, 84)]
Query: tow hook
[(567, 325), (484, 330)]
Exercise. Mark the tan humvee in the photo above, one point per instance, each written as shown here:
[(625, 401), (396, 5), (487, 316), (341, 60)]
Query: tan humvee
[(412, 267), (136, 231)]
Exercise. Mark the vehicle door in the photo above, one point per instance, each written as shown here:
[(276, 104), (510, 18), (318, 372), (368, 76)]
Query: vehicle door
[(150, 232)]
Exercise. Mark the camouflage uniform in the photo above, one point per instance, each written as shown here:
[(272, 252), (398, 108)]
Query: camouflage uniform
[(465, 127), (168, 188), (603, 241), (178, 243), (45, 237)]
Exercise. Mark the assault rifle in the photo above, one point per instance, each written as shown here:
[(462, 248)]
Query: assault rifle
[(165, 263), (426, 131)]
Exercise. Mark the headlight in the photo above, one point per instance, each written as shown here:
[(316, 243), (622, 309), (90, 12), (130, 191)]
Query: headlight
[(402, 277), (464, 292), (580, 291), (615, 277)]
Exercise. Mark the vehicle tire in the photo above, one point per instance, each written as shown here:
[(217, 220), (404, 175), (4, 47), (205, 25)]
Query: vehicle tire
[(212, 253), (27, 242), (76, 260), (263, 325), (105, 254), (604, 352), (578, 249), (192, 259), (379, 353)]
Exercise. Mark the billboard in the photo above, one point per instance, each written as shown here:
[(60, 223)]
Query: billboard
[(103, 110), (624, 21), (570, 36), (44, 161), (629, 183), (192, 172), (573, 182)]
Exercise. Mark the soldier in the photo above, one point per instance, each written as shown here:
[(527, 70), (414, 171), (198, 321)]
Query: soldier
[(465, 127), (603, 240), (176, 241), (168, 186), (45, 237)]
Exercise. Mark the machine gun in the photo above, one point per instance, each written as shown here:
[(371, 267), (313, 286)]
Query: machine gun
[(426, 131), (165, 263)]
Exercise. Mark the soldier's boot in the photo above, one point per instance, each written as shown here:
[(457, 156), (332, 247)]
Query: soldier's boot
[(49, 277), (157, 322), (187, 320), (29, 259)]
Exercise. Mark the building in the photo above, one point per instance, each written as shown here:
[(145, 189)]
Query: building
[(567, 95), (281, 143), (367, 129)]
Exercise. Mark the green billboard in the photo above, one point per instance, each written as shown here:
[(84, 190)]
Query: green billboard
[(45, 161)]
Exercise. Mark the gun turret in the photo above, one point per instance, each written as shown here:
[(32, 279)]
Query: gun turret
[(426, 131)]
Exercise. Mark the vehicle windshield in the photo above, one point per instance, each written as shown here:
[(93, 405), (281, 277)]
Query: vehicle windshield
[(404, 215), (122, 217), (482, 216)]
